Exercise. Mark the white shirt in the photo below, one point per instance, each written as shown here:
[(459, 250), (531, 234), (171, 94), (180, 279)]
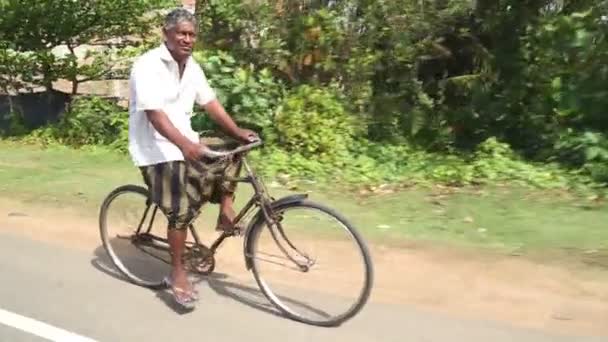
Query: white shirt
[(155, 84)]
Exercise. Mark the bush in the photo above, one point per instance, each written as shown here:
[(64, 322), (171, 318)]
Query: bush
[(313, 123), (250, 95), (494, 161), (89, 121), (587, 151)]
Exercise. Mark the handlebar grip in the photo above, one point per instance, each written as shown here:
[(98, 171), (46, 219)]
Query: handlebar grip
[(209, 153)]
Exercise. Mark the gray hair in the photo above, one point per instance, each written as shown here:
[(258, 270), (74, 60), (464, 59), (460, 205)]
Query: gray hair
[(178, 15)]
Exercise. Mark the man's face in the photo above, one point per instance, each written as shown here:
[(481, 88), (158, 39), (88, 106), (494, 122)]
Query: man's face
[(180, 40)]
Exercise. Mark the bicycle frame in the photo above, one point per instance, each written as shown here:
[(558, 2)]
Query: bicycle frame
[(260, 200)]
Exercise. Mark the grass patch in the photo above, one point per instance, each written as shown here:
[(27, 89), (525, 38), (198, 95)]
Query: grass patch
[(512, 219)]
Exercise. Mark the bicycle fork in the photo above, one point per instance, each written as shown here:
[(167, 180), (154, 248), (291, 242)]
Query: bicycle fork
[(275, 226)]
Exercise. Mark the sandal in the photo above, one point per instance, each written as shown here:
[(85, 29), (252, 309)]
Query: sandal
[(184, 298), (193, 293)]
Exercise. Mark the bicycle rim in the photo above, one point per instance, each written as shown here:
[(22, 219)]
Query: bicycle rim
[(339, 279), (135, 247)]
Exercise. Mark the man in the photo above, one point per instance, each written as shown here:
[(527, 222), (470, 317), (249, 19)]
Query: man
[(164, 85)]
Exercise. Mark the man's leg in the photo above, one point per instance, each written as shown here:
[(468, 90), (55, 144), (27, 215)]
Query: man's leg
[(226, 193), (227, 214), (179, 276), (223, 193), (184, 209), (167, 186)]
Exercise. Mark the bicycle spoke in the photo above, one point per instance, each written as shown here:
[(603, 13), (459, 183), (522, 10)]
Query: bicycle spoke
[(143, 218), (151, 220), (130, 237), (273, 262), (301, 266), (286, 263)]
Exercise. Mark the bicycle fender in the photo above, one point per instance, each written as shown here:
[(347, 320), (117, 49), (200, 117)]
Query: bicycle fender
[(289, 199), (257, 220)]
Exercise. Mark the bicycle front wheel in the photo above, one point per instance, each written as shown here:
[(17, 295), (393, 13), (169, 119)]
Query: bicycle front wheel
[(312, 265)]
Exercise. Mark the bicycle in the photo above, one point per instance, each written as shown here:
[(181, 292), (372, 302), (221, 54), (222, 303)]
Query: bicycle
[(261, 214)]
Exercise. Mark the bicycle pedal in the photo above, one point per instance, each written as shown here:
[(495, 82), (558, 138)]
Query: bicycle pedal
[(235, 232), (240, 231)]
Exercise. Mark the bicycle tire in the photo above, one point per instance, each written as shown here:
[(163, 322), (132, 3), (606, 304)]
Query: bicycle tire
[(333, 321), (103, 230)]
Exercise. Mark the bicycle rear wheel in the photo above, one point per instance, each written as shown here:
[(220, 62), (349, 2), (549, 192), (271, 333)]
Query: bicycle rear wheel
[(323, 285), (133, 233)]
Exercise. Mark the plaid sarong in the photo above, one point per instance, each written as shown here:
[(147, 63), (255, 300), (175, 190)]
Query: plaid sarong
[(180, 188)]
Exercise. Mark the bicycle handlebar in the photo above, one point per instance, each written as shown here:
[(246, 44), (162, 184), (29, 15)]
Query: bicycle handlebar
[(209, 153)]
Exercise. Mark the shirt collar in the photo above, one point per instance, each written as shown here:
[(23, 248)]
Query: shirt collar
[(165, 54)]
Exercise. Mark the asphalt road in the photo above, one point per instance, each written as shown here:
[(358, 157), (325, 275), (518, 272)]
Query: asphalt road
[(54, 287)]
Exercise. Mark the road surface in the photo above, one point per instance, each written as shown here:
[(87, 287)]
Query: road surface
[(50, 290)]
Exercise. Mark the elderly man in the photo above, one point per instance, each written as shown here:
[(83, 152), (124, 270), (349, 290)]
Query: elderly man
[(164, 85)]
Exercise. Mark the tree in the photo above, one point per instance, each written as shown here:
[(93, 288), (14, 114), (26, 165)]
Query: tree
[(32, 31)]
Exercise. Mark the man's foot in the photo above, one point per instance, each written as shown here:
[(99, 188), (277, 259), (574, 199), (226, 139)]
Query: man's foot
[(183, 291), (225, 221)]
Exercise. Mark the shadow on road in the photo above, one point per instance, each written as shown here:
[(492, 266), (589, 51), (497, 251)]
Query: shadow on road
[(154, 269), (254, 298), (246, 295), (147, 268)]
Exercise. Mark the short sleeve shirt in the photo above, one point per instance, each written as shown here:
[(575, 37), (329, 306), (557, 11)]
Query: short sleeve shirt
[(155, 84)]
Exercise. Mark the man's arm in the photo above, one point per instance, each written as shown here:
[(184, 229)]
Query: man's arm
[(163, 125), (219, 115), (149, 99), (205, 97)]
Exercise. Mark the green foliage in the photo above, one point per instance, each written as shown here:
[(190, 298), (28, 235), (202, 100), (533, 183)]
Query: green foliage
[(251, 95), (372, 163), (496, 162), (14, 70), (385, 91), (587, 151), (313, 122), (373, 49), (90, 121), (31, 32), (569, 51), (543, 74)]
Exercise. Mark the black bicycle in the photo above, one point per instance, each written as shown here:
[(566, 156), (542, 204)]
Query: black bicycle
[(278, 234)]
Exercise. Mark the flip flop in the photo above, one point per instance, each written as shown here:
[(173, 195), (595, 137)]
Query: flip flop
[(193, 292), (186, 299)]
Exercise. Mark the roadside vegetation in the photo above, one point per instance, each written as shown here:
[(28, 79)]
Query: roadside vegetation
[(388, 100)]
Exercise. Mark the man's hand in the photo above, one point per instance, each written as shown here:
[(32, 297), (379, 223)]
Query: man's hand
[(247, 135), (218, 114), (191, 151)]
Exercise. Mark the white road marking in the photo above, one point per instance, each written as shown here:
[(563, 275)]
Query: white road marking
[(39, 329)]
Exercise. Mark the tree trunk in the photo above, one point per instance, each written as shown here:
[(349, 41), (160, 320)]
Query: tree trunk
[(74, 76), (47, 79)]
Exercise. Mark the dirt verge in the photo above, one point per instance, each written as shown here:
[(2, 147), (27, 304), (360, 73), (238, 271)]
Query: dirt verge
[(461, 283)]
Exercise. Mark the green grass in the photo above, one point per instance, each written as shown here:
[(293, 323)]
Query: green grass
[(510, 219)]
